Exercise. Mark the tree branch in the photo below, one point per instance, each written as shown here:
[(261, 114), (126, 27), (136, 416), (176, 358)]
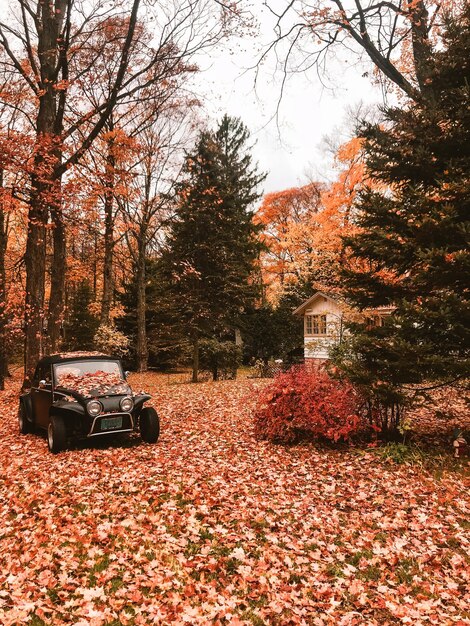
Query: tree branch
[(74, 158), (19, 68)]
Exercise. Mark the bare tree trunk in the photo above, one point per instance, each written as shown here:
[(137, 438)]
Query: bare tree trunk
[(35, 262), (3, 319), (108, 273), (43, 187), (95, 263), (58, 273), (141, 348), (42, 190)]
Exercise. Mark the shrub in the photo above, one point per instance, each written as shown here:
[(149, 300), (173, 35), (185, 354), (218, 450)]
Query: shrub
[(309, 404), (400, 453), (110, 340)]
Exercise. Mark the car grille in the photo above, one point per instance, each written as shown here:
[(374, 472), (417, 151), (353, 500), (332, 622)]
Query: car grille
[(107, 423)]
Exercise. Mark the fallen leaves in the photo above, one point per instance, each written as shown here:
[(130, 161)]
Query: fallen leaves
[(210, 526), (93, 384)]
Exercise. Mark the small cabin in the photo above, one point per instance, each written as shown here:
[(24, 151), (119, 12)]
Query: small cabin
[(324, 319)]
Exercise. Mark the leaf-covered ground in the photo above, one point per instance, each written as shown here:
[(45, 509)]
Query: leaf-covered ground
[(210, 526)]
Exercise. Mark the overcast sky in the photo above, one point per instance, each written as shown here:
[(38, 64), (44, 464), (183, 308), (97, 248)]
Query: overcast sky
[(288, 148)]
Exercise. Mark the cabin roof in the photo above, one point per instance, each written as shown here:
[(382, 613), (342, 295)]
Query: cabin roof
[(384, 309), (300, 310)]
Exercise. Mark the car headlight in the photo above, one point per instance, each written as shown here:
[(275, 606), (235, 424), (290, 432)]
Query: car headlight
[(126, 404), (94, 408)]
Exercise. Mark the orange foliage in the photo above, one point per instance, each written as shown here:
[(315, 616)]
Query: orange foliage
[(13, 219), (288, 219), (304, 226), (336, 219)]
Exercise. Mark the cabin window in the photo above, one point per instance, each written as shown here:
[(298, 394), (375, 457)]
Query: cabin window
[(315, 324), (373, 321)]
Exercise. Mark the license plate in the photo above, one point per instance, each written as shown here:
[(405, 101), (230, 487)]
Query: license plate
[(111, 423)]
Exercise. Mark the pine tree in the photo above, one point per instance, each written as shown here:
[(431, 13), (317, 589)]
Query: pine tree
[(212, 242), (413, 250), (166, 346), (82, 324), (272, 331)]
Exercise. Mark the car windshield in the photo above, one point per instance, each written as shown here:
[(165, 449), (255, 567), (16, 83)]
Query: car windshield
[(91, 378)]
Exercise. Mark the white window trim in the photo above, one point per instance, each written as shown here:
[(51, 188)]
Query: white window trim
[(313, 334)]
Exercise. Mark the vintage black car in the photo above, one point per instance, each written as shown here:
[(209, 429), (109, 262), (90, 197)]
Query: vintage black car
[(80, 395)]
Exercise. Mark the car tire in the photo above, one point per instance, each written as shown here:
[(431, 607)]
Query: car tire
[(24, 424), (149, 425), (56, 435)]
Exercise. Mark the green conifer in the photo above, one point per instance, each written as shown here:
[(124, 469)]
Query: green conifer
[(212, 245), (413, 250), (82, 324)]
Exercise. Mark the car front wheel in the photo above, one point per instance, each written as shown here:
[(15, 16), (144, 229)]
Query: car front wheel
[(56, 435), (149, 425), (24, 424)]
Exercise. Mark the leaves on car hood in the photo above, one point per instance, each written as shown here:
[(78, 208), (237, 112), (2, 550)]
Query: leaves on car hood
[(94, 384)]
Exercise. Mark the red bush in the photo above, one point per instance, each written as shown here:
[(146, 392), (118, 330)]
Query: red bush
[(308, 404)]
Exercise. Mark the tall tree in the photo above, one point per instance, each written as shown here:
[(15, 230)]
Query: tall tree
[(212, 245), (413, 247), (81, 325), (106, 173), (51, 47), (145, 209), (4, 227), (303, 227), (288, 220), (13, 154)]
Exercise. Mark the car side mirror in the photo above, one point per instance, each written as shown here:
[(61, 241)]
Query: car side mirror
[(42, 384)]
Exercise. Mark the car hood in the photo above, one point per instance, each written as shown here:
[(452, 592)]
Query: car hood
[(93, 386)]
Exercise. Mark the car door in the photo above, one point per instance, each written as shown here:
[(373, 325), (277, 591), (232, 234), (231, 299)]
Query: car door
[(41, 395)]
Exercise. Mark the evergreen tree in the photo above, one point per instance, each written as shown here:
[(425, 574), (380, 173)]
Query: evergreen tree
[(413, 250), (82, 325), (272, 332), (166, 345), (212, 242)]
